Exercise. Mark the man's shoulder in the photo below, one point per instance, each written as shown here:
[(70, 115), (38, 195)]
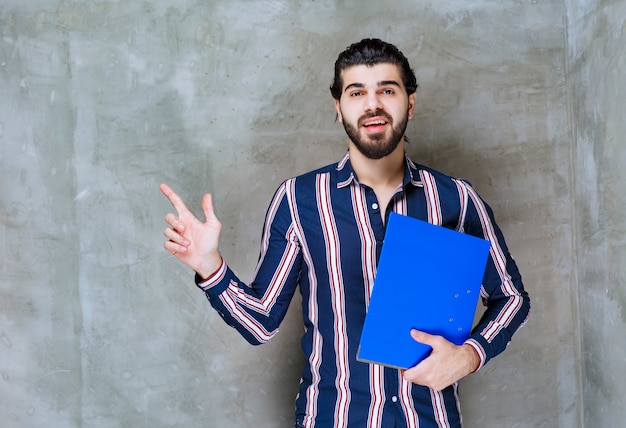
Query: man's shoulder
[(437, 174), (307, 182), (313, 174)]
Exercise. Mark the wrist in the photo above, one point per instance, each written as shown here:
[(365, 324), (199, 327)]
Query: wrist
[(210, 267), (472, 358)]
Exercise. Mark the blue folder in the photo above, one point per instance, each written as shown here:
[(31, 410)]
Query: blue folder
[(428, 278)]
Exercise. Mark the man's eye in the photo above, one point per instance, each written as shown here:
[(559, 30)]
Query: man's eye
[(388, 92), (356, 94)]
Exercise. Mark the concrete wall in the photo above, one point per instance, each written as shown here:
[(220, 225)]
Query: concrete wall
[(102, 101), (597, 52)]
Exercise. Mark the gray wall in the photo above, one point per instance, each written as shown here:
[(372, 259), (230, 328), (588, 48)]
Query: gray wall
[(102, 101), (597, 76)]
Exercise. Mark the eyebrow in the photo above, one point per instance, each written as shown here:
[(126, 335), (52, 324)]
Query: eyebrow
[(381, 83)]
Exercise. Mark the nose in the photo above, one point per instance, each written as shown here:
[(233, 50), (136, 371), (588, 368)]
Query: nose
[(372, 102)]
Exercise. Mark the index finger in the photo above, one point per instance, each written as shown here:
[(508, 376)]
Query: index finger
[(176, 201)]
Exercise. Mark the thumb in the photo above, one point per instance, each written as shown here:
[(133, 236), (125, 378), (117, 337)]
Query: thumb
[(423, 337)]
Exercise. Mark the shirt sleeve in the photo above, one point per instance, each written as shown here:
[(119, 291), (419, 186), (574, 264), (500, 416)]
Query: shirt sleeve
[(502, 292), (256, 310)]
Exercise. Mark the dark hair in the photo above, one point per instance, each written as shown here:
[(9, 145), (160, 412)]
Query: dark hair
[(371, 52)]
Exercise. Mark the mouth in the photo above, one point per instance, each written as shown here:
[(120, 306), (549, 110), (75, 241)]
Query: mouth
[(375, 124)]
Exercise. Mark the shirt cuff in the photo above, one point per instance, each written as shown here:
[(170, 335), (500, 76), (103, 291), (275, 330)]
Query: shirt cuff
[(479, 350), (213, 279)]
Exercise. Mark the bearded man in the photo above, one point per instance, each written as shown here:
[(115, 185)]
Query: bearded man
[(323, 234)]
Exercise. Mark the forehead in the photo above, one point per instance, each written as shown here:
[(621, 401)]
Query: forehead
[(371, 75)]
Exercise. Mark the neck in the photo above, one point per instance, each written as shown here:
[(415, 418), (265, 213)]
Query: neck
[(385, 172)]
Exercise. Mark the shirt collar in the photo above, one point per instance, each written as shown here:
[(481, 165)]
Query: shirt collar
[(347, 176)]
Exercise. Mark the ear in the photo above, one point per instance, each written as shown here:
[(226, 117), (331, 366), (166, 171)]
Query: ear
[(338, 108), (412, 98)]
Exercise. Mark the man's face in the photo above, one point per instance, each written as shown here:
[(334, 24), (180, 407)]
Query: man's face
[(374, 108)]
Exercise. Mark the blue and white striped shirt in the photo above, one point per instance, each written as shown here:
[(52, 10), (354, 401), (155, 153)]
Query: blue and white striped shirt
[(324, 233)]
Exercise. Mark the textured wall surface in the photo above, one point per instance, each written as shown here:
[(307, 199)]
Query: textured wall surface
[(597, 74), (102, 101)]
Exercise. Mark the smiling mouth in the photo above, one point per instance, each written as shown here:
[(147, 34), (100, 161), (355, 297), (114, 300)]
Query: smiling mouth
[(375, 126), (375, 121)]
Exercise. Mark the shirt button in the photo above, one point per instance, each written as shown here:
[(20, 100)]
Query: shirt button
[(394, 399), (374, 206)]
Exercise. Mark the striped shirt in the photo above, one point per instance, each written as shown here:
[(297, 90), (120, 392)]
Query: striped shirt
[(324, 232)]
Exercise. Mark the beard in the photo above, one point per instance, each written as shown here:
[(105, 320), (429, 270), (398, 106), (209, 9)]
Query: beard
[(377, 146)]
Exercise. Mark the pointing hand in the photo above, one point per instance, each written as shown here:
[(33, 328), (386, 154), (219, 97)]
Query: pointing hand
[(191, 241)]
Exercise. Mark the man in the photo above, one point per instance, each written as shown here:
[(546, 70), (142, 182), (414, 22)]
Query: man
[(324, 232)]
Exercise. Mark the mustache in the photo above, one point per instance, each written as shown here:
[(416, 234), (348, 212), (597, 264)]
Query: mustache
[(377, 113)]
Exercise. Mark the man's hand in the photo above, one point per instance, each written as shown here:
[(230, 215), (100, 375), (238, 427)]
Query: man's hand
[(189, 240), (446, 364)]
